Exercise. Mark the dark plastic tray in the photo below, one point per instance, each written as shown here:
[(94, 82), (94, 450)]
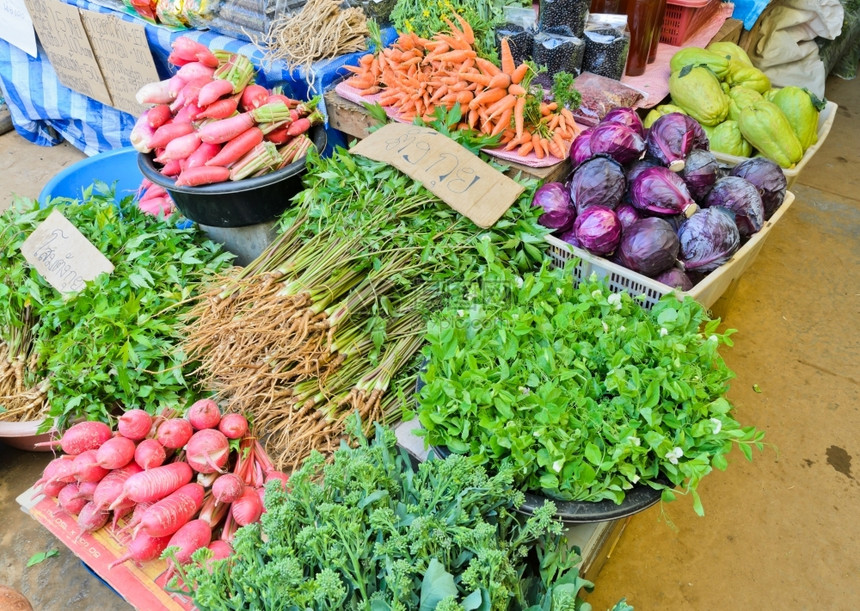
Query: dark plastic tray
[(236, 204)]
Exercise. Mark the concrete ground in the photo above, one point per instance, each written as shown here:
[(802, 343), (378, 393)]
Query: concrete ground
[(781, 532)]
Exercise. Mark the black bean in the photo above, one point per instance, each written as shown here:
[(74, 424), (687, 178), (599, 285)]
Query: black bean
[(558, 52), (520, 40), (570, 13), (605, 52)]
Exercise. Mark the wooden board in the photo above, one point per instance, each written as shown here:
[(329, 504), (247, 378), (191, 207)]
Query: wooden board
[(354, 121)]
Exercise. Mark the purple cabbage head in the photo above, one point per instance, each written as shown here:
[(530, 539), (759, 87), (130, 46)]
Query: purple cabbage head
[(649, 246), (632, 170), (569, 236), (618, 141), (672, 137), (741, 197), (625, 116), (676, 278), (558, 211), (709, 238), (598, 230), (580, 150), (700, 172), (768, 178), (627, 215), (598, 181), (659, 190)]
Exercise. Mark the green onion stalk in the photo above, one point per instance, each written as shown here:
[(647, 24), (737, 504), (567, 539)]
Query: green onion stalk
[(329, 319)]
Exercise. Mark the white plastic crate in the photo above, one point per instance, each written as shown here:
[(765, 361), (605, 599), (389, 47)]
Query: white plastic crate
[(706, 292), (825, 122)]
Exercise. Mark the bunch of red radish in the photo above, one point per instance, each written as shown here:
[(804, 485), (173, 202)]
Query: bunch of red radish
[(176, 478), (210, 122), (154, 199)]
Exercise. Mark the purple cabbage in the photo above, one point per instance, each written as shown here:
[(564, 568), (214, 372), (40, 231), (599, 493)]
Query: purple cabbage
[(625, 116), (558, 211), (672, 137), (627, 215), (580, 150), (598, 230), (598, 181), (709, 238), (741, 197), (632, 170), (658, 190), (618, 141), (649, 246), (768, 178), (569, 236), (700, 172), (676, 278)]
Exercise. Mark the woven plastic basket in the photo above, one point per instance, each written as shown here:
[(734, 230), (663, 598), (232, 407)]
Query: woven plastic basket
[(684, 17)]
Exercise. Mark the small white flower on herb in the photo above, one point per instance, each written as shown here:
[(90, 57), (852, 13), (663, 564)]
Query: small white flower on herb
[(536, 434), (673, 455), (622, 329), (557, 465), (525, 391), (663, 332), (558, 291), (593, 277), (615, 300), (461, 313), (519, 282), (635, 478), (596, 293), (605, 327), (485, 237), (634, 440), (718, 425), (713, 338)]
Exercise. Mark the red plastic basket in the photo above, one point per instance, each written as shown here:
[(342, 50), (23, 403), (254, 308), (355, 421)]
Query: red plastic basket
[(684, 17)]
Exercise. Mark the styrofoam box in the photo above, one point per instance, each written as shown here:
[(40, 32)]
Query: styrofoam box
[(825, 122), (706, 292)]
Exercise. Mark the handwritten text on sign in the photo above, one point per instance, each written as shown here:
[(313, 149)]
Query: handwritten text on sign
[(467, 184), (63, 255)]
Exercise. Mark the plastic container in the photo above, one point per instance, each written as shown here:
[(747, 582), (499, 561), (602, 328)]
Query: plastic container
[(236, 203), (825, 122), (24, 435), (706, 292), (119, 165), (655, 39), (684, 17), (642, 25)]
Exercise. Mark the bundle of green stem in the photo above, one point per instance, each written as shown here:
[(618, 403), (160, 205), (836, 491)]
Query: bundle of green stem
[(327, 320)]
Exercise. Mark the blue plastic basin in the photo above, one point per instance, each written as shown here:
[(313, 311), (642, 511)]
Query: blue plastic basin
[(119, 165)]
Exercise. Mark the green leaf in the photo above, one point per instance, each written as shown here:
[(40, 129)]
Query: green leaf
[(436, 585), (747, 451), (473, 601), (592, 453), (697, 503), (42, 556), (756, 388)]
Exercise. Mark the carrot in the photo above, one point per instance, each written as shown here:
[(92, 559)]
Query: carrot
[(457, 56), (475, 77), (486, 66), (507, 57), (173, 511), (500, 81), (537, 147), (202, 175), (525, 148), (519, 73), (502, 105), (516, 90), (485, 98), (504, 121), (519, 116), (361, 82)]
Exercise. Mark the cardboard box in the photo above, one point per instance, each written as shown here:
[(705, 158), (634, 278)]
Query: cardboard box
[(140, 586)]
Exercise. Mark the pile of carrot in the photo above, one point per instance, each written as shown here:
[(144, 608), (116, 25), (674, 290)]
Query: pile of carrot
[(162, 482), (416, 75), (210, 122)]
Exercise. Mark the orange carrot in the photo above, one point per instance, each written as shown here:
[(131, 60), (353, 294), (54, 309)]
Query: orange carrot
[(519, 74), (504, 121), (497, 108), (507, 57), (519, 117), (500, 81), (515, 89), (525, 148), (490, 96), (486, 66)]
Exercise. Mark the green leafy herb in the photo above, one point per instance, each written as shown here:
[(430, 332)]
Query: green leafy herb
[(42, 556), (564, 90), (445, 122), (580, 391)]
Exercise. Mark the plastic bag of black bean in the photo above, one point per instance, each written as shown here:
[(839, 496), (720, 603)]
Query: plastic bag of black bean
[(559, 13), (607, 42), (558, 50), (520, 40)]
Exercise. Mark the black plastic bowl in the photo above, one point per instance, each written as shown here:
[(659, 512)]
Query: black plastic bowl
[(236, 203)]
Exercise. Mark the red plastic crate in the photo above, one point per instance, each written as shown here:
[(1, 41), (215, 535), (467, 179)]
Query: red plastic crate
[(684, 17)]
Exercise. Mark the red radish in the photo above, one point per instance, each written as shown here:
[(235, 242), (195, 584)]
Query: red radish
[(273, 475), (116, 452), (70, 499), (189, 49), (91, 519), (194, 70), (189, 538), (135, 423), (53, 489), (261, 492), (214, 90), (221, 550), (238, 146), (149, 453), (248, 508), (172, 168), (176, 85), (173, 511), (207, 58), (111, 487), (213, 512), (175, 60), (155, 484), (299, 126), (188, 94), (157, 206), (234, 426), (254, 96), (155, 93), (180, 148), (202, 175), (207, 451), (52, 468), (188, 113), (279, 97), (137, 516), (228, 488), (220, 109), (204, 153), (226, 129), (174, 433), (82, 437), (86, 490), (168, 132), (87, 467), (158, 115), (204, 414), (151, 192), (141, 134), (142, 548), (64, 472), (120, 512), (279, 136)]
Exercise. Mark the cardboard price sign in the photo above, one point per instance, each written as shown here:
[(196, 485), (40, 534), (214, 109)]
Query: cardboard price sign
[(122, 52), (470, 186), (63, 255), (65, 41)]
